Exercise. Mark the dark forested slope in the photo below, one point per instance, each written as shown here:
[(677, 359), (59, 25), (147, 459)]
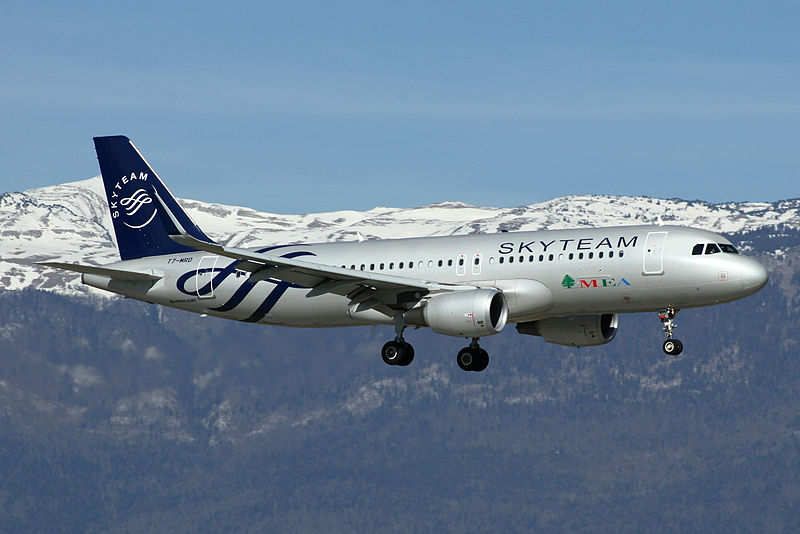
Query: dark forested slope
[(124, 417)]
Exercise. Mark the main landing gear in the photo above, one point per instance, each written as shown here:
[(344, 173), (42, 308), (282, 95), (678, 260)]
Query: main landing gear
[(671, 346), (473, 358), (398, 351)]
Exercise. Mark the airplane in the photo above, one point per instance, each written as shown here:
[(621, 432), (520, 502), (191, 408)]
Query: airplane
[(567, 286)]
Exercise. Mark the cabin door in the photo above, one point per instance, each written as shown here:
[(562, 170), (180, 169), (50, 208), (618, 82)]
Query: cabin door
[(654, 253)]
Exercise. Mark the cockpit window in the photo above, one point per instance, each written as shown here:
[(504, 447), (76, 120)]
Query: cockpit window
[(713, 248)]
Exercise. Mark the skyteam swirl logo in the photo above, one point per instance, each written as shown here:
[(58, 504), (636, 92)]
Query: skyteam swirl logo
[(246, 287), (134, 203)]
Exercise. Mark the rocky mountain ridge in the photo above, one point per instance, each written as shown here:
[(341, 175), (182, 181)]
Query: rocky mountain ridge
[(70, 222)]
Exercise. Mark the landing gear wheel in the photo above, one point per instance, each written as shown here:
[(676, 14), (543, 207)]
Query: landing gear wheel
[(397, 353), (482, 362), (672, 347), (472, 359), (408, 354), (390, 353), (465, 359)]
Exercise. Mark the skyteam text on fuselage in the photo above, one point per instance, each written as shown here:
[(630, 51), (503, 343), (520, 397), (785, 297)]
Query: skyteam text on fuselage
[(567, 286)]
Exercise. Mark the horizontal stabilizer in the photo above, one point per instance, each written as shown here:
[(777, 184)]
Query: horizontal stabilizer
[(132, 276)]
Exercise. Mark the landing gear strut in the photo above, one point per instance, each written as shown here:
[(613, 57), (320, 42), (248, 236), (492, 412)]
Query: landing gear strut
[(672, 347), (473, 358), (398, 351)]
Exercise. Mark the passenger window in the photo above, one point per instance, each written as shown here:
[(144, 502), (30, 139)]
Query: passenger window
[(711, 248), (449, 263), (697, 250), (511, 259), (460, 261), (477, 261), (440, 263), (621, 253), (371, 266), (400, 265)]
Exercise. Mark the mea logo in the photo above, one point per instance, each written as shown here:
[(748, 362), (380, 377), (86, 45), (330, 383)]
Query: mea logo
[(139, 201), (587, 283)]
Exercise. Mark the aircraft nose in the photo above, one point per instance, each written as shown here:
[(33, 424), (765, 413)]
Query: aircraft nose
[(754, 276)]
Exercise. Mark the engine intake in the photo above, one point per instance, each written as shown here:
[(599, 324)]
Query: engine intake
[(574, 331), (472, 313)]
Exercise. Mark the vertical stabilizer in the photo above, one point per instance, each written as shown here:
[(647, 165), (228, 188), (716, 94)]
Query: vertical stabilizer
[(132, 187)]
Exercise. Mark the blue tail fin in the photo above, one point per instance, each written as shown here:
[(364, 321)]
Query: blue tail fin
[(131, 185)]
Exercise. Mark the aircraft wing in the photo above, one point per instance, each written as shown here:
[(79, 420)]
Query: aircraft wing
[(366, 290)]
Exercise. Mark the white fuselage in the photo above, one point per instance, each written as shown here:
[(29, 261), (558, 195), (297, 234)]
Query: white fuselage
[(586, 271)]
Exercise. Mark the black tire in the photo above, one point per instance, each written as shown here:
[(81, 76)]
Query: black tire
[(465, 359), (392, 353), (482, 361), (407, 354), (672, 347)]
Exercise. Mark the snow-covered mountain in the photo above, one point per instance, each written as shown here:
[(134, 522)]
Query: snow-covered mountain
[(70, 222)]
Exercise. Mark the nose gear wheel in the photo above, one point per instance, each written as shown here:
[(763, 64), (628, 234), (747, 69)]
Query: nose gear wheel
[(671, 347)]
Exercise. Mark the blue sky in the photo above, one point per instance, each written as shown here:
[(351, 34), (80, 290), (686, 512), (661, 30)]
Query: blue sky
[(296, 107)]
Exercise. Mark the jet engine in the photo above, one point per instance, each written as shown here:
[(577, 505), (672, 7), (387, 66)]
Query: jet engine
[(574, 331), (471, 313)]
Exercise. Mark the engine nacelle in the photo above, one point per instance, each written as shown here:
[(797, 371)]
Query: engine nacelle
[(472, 313), (574, 331)]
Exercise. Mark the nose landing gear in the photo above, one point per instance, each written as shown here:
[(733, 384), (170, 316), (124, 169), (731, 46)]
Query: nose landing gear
[(671, 346)]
